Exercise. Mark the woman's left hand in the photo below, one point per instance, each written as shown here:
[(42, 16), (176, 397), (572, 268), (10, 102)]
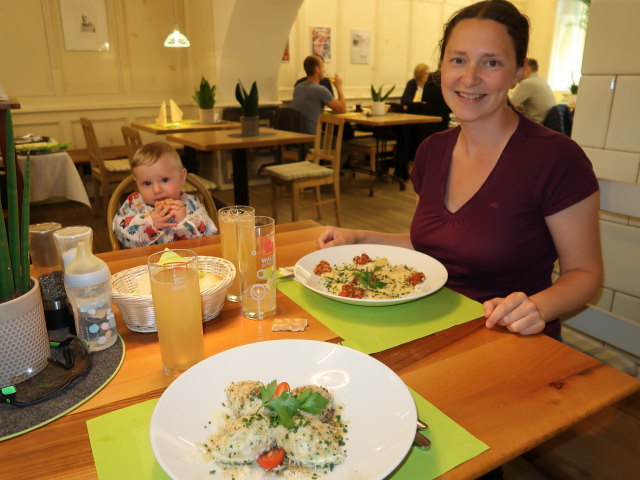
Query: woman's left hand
[(517, 312)]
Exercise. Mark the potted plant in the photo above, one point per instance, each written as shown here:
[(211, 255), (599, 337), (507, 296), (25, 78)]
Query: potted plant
[(378, 98), (249, 120), (24, 343), (205, 97)]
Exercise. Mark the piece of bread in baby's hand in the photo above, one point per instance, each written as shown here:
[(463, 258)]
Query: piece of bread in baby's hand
[(289, 324), (160, 203)]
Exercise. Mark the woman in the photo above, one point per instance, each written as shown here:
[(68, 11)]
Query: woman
[(415, 87), (500, 197)]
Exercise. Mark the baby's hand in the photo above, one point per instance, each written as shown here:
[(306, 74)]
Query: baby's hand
[(161, 217), (178, 210)]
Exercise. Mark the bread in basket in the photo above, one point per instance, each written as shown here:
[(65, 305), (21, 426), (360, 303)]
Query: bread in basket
[(137, 310)]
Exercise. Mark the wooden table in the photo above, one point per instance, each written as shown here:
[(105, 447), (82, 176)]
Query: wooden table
[(381, 123), (184, 126), (231, 140), (511, 392)]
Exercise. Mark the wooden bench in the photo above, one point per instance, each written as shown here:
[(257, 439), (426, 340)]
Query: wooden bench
[(80, 156)]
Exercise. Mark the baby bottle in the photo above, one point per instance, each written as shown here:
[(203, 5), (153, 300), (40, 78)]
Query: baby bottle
[(87, 280)]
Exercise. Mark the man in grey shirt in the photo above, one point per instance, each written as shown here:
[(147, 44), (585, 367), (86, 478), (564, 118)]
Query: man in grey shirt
[(533, 95), (309, 97)]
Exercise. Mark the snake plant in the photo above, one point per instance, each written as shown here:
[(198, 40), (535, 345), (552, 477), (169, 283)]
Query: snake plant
[(248, 101), (377, 96), (14, 237), (205, 96)]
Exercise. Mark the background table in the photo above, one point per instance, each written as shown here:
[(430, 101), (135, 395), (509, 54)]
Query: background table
[(54, 175), (184, 126), (231, 140), (511, 392)]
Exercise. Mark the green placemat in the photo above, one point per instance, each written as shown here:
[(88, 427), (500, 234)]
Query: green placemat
[(121, 447), (373, 329)]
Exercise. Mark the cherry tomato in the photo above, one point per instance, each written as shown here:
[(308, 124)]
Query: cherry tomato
[(322, 267), (362, 259), (282, 387), (271, 459), (416, 278)]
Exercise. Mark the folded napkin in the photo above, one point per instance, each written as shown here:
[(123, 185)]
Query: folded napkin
[(162, 116), (176, 113), (121, 446)]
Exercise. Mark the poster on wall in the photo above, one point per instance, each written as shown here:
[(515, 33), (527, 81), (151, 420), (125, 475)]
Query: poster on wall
[(285, 54), (84, 24), (321, 42), (360, 46)]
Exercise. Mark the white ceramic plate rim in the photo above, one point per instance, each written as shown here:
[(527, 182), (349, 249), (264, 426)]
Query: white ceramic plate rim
[(377, 404), (435, 272)]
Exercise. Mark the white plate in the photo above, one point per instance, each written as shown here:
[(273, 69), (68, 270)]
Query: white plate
[(377, 404), (436, 274)]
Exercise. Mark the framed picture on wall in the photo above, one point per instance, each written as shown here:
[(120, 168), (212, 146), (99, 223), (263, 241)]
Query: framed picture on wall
[(321, 42), (84, 25), (360, 46)]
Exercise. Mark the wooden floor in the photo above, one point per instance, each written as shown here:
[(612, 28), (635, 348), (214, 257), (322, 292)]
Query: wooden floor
[(389, 210)]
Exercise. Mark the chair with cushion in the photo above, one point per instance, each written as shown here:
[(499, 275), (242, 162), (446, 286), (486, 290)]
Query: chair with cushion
[(322, 167), (288, 119), (132, 140), (103, 172), (192, 185)]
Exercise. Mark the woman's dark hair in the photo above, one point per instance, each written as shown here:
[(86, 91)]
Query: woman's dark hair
[(500, 11)]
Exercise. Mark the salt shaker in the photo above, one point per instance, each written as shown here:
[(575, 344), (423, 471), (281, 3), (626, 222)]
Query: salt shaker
[(87, 280)]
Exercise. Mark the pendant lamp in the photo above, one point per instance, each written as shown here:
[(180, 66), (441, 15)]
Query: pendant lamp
[(176, 39)]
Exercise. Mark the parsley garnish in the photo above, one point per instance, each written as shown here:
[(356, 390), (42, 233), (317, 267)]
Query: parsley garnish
[(283, 408), (367, 281)]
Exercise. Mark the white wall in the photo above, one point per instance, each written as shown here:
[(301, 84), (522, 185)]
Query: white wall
[(606, 125)]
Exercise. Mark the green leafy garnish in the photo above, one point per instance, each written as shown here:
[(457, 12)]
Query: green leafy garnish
[(286, 406), (367, 281)]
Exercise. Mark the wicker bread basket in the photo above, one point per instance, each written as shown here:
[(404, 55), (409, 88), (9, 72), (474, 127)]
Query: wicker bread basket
[(137, 310)]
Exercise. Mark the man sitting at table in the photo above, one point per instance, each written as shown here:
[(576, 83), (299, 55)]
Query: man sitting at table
[(310, 98), (533, 95), (160, 211)]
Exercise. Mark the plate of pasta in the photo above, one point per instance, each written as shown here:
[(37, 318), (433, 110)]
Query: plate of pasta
[(370, 275), (226, 416)]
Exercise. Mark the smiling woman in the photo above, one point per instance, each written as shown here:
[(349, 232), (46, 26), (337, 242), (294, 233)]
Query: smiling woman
[(500, 198)]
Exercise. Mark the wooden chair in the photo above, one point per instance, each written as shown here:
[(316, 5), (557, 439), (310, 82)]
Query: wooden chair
[(103, 172), (132, 140), (127, 185), (322, 167)]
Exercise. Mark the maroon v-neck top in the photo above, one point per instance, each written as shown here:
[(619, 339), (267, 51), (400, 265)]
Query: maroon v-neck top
[(498, 242)]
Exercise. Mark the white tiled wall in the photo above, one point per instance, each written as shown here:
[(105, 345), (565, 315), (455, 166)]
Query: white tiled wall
[(607, 125)]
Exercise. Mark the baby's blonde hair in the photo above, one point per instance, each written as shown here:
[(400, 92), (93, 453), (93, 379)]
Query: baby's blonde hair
[(149, 154)]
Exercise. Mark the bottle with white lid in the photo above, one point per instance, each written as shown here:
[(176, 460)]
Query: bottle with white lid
[(87, 280)]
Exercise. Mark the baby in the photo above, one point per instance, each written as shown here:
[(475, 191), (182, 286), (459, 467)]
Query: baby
[(159, 212)]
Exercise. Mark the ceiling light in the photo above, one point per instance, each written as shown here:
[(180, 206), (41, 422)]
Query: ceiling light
[(175, 38)]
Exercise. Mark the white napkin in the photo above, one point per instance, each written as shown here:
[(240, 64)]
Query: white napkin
[(176, 113), (162, 118)]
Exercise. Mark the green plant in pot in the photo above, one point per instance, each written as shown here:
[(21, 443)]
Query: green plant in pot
[(24, 344), (378, 98), (573, 88), (205, 97), (249, 121)]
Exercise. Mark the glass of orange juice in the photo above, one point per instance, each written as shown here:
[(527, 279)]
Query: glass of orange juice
[(175, 291), (229, 218), (257, 259)]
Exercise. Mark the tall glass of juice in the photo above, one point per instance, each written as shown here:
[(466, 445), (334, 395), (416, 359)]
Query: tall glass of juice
[(228, 218), (175, 291)]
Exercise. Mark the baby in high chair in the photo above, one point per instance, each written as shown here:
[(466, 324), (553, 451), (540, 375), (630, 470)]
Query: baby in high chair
[(159, 212)]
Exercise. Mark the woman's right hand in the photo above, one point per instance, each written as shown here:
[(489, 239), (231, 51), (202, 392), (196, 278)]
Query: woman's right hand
[(333, 236)]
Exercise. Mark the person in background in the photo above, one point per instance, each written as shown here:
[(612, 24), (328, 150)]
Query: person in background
[(533, 95), (325, 82), (500, 197), (425, 87), (159, 212), (309, 98)]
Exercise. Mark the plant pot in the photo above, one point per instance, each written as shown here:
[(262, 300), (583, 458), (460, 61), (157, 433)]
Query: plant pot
[(24, 342), (250, 126), (378, 108), (206, 115)]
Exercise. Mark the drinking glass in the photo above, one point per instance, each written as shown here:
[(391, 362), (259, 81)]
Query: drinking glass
[(257, 259), (176, 303), (229, 218), (67, 240)]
